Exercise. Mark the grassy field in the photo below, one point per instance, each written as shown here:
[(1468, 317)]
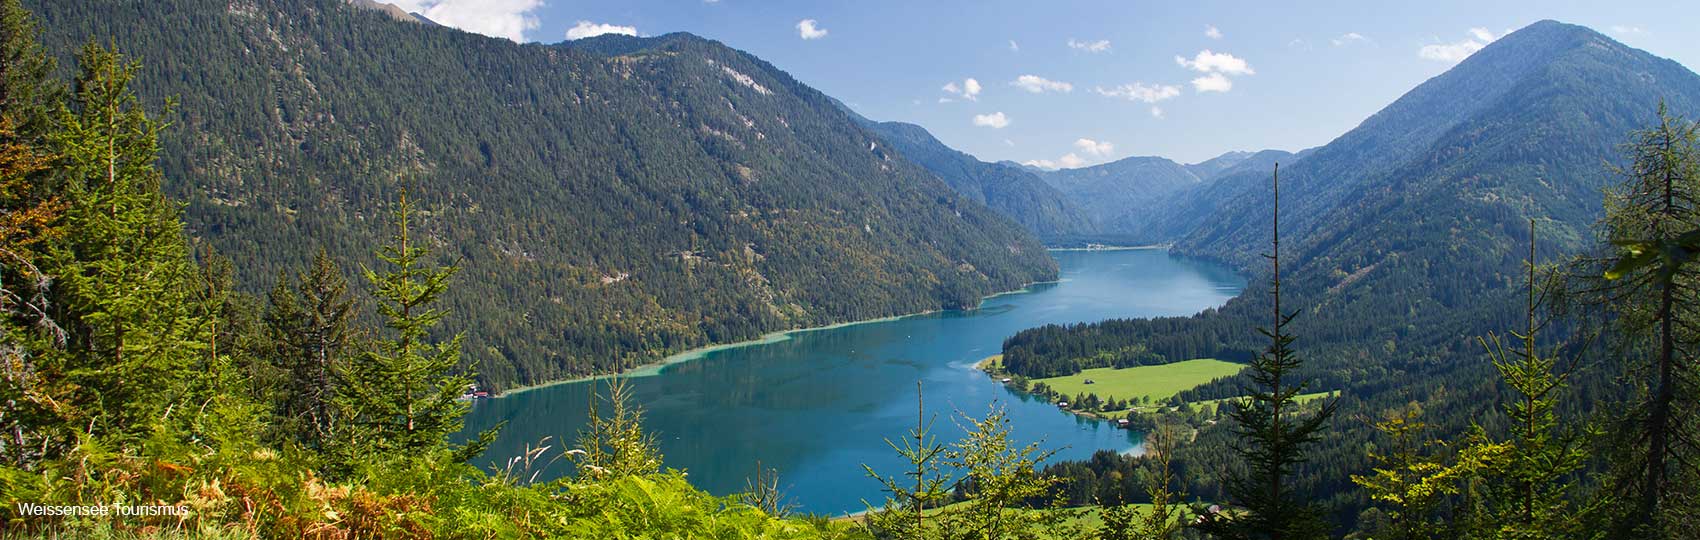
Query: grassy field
[(1157, 382)]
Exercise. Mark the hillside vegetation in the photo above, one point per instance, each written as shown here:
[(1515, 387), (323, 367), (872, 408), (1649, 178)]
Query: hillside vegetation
[(610, 201)]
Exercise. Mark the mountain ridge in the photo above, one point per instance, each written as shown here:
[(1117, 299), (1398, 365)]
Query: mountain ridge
[(608, 211)]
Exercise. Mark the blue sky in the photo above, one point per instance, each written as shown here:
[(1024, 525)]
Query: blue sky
[(1071, 83)]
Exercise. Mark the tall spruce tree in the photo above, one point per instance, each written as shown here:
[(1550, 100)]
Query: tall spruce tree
[(401, 396), (313, 333), (1273, 433), (1528, 478), (135, 346), (1654, 313)]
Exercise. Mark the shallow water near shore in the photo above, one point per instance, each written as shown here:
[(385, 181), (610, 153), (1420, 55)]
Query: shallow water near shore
[(816, 405)]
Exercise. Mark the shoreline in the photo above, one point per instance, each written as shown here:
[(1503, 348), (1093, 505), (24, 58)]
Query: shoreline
[(654, 368), (1113, 248)]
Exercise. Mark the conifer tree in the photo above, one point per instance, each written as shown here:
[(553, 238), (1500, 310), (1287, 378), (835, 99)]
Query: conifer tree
[(1273, 434), (614, 445), (312, 329), (1654, 318), (1528, 477), (123, 278), (904, 514), (400, 396)]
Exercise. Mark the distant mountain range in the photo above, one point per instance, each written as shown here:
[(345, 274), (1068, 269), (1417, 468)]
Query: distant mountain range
[(1014, 192)]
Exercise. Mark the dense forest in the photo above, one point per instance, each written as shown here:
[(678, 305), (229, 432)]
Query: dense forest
[(1012, 191), (610, 201)]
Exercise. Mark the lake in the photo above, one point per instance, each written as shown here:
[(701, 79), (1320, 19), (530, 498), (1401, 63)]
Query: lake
[(816, 405)]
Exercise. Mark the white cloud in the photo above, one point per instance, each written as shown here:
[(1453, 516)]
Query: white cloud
[(1625, 29), (1070, 161), (1208, 62), (495, 18), (1214, 82), (1212, 32), (1102, 45), (1095, 148), (810, 29), (1348, 38), (1457, 51), (586, 29), (969, 90), (995, 120), (1156, 112), (1141, 92), (1013, 46), (945, 100), (1299, 44), (1009, 143), (1040, 85), (1041, 163)]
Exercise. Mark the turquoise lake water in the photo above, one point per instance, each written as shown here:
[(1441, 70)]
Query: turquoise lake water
[(820, 404)]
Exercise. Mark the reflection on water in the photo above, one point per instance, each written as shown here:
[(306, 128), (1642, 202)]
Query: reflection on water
[(819, 405)]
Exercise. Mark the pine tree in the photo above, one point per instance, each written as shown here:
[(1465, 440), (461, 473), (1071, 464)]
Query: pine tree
[(1652, 309), (904, 514), (313, 332), (400, 397), (614, 445), (123, 278), (1528, 478), (1273, 434)]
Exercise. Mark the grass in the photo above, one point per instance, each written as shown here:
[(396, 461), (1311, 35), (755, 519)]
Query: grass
[(1089, 520), (1301, 398), (1156, 382)]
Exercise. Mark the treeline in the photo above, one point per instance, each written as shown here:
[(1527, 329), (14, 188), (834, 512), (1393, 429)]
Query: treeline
[(605, 211), (1057, 350)]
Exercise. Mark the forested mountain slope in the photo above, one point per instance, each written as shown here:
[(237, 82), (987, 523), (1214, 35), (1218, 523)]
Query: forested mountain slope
[(1014, 192), (1111, 191), (606, 208), (1404, 239)]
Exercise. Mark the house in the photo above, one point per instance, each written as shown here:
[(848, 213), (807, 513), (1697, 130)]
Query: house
[(1006, 380), (1122, 423), (1088, 381)]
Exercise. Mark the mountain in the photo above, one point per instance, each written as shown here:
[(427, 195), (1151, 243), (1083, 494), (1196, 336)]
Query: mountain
[(394, 11), (1404, 239), (610, 201), (1440, 132), (1111, 192), (1214, 166), (1014, 192)]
